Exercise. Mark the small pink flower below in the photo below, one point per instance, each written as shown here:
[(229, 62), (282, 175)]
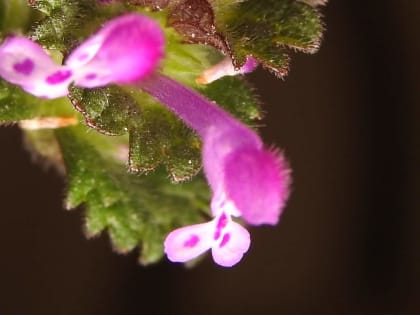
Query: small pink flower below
[(228, 241)]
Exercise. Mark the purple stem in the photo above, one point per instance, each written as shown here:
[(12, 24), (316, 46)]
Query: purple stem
[(194, 109)]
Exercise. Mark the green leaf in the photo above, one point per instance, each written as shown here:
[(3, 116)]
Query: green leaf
[(63, 22), (265, 29), (237, 96), (156, 135), (107, 110), (136, 210)]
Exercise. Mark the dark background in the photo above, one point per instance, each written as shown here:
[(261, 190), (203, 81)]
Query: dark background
[(349, 241)]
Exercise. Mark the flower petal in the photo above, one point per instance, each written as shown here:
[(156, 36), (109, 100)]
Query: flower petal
[(257, 181), (125, 50), (25, 63), (233, 245), (219, 142), (189, 242)]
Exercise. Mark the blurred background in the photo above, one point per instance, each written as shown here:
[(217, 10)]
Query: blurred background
[(348, 242)]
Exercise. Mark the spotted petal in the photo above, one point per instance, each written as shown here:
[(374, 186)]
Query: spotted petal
[(125, 50), (189, 242), (233, 244), (25, 63)]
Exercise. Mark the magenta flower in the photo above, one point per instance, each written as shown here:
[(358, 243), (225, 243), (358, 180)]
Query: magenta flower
[(247, 179), (125, 50)]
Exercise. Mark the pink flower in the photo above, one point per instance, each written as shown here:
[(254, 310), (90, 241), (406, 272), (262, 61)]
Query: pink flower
[(247, 179), (241, 171), (125, 50)]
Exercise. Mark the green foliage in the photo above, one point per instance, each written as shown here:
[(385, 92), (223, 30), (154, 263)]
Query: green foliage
[(62, 23), (240, 101), (134, 209), (108, 110), (159, 137), (265, 29), (156, 135)]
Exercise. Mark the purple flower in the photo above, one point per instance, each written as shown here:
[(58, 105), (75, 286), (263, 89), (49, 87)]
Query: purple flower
[(247, 179), (125, 50), (251, 180)]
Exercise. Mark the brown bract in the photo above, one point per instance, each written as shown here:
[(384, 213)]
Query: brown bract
[(193, 19)]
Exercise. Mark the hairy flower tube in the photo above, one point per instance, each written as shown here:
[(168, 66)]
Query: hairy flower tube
[(247, 179)]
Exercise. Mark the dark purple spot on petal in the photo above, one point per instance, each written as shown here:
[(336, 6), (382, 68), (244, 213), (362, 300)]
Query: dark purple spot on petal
[(58, 76), (90, 76), (225, 239), (217, 234), (25, 67), (192, 241), (221, 223)]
